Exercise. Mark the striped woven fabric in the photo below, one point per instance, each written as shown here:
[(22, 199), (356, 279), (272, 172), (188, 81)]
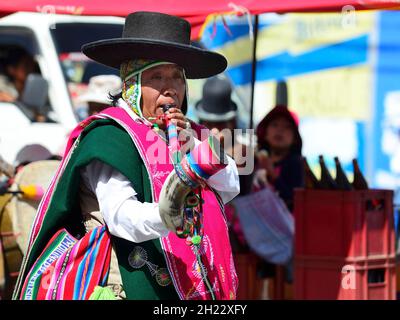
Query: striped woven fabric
[(70, 269)]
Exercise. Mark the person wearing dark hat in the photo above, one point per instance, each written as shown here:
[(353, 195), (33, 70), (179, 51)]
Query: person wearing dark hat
[(216, 109), (104, 230), (218, 112)]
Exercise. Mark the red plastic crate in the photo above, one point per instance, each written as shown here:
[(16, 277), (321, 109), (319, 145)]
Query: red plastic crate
[(246, 269), (346, 279), (344, 224)]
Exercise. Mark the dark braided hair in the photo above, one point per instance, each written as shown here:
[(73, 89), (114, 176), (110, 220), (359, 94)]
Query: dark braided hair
[(114, 98)]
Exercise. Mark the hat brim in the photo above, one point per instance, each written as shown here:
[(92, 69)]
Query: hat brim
[(94, 97), (197, 63), (213, 117)]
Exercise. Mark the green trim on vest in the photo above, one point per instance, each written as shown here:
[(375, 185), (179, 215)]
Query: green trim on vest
[(106, 141)]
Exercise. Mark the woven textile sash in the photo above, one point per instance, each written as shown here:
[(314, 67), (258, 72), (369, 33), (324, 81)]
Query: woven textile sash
[(70, 269)]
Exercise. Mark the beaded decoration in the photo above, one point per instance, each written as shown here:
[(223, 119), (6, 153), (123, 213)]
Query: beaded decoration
[(193, 169)]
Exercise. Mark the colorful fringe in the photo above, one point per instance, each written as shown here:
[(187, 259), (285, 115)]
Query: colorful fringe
[(70, 269), (102, 293)]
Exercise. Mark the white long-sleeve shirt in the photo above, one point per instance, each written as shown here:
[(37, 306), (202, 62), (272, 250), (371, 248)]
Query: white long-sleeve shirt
[(136, 221)]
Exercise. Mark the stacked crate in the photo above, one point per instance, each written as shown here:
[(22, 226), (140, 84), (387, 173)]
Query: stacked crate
[(344, 244)]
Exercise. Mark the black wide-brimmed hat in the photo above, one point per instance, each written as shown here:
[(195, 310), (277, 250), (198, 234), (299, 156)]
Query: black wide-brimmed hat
[(157, 36), (216, 104)]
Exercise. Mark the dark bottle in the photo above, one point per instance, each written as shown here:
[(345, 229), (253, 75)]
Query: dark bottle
[(326, 181), (341, 180), (359, 182), (310, 180)]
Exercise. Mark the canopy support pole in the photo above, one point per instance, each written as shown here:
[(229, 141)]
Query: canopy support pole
[(253, 71)]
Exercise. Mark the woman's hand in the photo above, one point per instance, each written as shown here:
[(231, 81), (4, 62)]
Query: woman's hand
[(266, 163), (183, 126), (260, 179), (176, 116)]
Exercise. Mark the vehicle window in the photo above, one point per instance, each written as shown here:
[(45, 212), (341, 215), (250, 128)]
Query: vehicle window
[(77, 68), (19, 54)]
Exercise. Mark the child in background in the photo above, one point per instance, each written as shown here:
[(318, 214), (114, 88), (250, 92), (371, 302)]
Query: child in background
[(279, 160), (279, 166)]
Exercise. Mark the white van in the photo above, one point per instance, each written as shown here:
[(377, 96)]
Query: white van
[(55, 42)]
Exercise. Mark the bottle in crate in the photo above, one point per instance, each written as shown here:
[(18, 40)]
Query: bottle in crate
[(359, 182), (341, 179), (311, 181), (326, 182)]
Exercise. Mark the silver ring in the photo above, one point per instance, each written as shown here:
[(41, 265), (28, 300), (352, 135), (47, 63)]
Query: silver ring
[(188, 126)]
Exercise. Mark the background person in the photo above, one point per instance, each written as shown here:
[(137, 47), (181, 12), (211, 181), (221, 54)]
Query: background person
[(218, 112), (279, 166), (97, 96), (16, 64)]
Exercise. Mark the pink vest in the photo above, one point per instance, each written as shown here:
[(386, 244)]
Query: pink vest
[(181, 261)]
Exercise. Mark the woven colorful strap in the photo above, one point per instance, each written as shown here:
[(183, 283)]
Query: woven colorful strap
[(70, 269)]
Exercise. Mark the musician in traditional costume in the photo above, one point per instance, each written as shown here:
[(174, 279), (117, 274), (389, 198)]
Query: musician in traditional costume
[(128, 214)]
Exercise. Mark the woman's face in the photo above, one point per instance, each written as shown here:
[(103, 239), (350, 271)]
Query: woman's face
[(163, 84), (280, 134)]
